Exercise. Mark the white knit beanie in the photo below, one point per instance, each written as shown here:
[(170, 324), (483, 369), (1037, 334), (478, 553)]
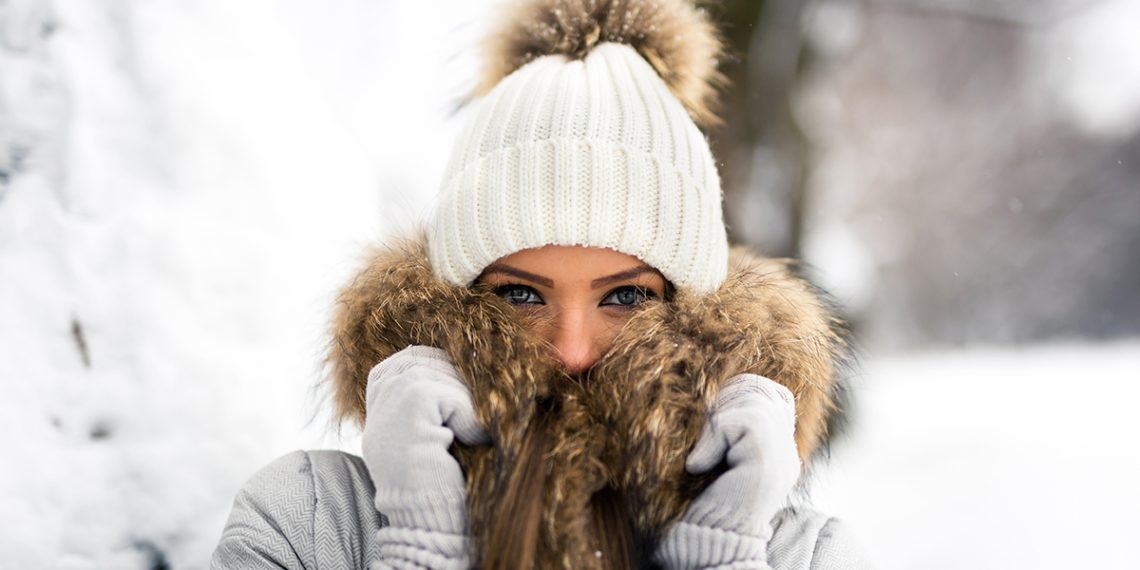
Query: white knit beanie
[(592, 151)]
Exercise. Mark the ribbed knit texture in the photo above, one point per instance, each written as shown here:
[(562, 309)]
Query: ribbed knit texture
[(401, 548), (594, 152), (692, 546)]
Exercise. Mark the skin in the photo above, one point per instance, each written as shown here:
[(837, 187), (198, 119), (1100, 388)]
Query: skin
[(583, 294)]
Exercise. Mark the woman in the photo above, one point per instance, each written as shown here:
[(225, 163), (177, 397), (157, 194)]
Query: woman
[(571, 368)]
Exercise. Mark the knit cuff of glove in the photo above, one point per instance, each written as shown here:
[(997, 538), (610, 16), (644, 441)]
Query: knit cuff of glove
[(413, 548), (690, 546), (441, 514)]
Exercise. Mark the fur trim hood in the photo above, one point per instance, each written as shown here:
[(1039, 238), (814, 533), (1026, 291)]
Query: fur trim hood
[(629, 423)]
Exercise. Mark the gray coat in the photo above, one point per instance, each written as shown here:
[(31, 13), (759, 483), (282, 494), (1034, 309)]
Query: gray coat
[(313, 510)]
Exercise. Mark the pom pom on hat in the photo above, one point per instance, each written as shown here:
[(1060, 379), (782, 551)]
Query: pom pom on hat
[(674, 36)]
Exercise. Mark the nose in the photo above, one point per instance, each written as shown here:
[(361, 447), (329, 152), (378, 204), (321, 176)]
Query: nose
[(575, 342)]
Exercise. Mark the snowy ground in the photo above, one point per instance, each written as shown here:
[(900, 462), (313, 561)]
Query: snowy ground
[(185, 184), (1016, 458)]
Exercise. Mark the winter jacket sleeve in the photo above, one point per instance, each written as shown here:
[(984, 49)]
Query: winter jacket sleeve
[(266, 526), (804, 539), (838, 549), (306, 510)]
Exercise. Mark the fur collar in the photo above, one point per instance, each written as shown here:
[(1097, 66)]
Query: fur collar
[(632, 420)]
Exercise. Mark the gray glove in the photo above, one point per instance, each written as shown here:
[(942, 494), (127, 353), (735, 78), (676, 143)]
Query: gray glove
[(752, 429), (417, 404)]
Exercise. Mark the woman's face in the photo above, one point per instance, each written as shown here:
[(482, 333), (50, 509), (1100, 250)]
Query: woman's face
[(582, 295)]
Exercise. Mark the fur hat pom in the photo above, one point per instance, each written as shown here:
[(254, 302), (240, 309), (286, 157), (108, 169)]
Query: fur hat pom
[(674, 36)]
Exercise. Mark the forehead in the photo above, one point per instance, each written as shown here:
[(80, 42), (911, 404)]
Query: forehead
[(573, 263)]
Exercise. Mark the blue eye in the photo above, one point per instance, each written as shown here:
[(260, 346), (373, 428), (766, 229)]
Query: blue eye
[(628, 296), (519, 294)]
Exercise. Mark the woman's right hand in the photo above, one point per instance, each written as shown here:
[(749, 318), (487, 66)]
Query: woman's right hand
[(417, 405)]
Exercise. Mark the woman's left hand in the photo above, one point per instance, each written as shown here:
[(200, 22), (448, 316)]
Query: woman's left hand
[(752, 430)]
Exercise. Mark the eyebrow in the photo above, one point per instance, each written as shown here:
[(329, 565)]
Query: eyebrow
[(507, 269), (627, 274)]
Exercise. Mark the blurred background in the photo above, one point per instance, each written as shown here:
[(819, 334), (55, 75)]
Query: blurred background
[(184, 185)]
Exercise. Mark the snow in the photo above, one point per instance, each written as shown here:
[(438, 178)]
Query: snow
[(190, 183), (994, 458), (199, 179)]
